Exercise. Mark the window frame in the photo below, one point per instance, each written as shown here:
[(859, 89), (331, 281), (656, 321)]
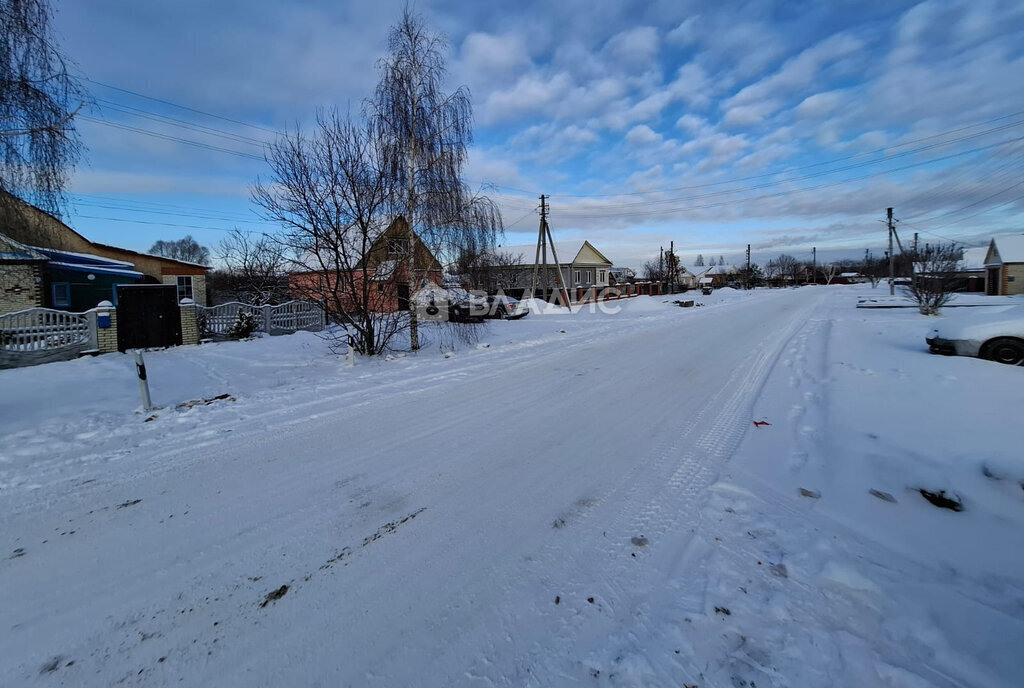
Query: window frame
[(60, 302), (186, 287)]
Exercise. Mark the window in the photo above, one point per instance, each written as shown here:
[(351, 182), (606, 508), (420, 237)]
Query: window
[(61, 292), (578, 275), (602, 280), (398, 246), (184, 287)]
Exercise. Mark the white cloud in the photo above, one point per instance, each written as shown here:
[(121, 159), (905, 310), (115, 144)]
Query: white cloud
[(635, 48), (692, 123), (530, 95), (491, 54), (764, 96), (687, 33), (642, 135), (819, 105)]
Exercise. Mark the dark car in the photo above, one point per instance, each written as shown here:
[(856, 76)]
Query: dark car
[(454, 304), (505, 307)]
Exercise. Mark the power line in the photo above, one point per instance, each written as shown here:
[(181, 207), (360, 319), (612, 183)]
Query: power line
[(826, 162), (163, 119), (717, 204), (168, 137), (163, 224), (182, 107), (776, 182)]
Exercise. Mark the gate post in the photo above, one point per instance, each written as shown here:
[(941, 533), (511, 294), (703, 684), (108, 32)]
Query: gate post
[(267, 314), (106, 337), (189, 322)]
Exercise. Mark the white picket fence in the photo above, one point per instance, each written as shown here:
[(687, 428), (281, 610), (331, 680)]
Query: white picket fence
[(217, 321), (39, 335)]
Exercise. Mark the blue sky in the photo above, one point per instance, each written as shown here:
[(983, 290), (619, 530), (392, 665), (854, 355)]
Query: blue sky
[(784, 125)]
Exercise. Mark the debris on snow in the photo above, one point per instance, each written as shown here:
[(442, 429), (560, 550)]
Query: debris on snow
[(884, 496), (274, 596), (940, 500), (812, 494)]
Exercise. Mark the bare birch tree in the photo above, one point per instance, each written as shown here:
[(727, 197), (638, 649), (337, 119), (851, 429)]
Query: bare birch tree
[(38, 103), (425, 133), (331, 191)]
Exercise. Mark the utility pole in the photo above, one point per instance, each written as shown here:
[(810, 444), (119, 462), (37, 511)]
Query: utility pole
[(748, 267), (671, 267), (814, 263), (915, 245), (892, 286), (543, 239)]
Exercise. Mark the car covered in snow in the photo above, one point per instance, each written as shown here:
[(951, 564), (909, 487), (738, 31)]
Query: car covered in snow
[(996, 334), (505, 307)]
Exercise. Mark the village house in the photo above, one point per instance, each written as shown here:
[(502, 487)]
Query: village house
[(583, 268), (1004, 266), (383, 270), (73, 270)]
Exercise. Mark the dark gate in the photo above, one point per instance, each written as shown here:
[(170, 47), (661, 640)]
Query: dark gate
[(403, 297), (147, 316)]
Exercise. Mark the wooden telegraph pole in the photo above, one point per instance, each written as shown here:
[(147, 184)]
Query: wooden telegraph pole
[(543, 239), (892, 264)]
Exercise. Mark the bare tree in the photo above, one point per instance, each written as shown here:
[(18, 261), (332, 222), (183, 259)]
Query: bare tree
[(254, 268), (331, 191), (425, 132), (491, 269), (187, 249), (38, 103), (935, 271), (788, 267), (654, 270)]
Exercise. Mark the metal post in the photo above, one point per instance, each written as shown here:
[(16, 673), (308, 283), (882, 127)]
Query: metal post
[(140, 369), (351, 355)]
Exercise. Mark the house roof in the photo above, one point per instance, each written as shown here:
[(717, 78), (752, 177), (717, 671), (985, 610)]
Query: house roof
[(974, 258), (149, 255), (1010, 248), (12, 251), (568, 252)]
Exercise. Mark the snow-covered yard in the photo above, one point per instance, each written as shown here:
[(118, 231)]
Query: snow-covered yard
[(577, 499)]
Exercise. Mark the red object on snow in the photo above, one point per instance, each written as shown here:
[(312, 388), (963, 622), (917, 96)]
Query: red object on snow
[(759, 423)]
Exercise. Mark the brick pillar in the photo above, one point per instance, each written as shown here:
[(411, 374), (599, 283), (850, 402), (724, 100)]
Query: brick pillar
[(189, 324), (106, 337)]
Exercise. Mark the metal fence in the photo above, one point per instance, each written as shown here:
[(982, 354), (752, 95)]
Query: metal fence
[(218, 321), (39, 335)]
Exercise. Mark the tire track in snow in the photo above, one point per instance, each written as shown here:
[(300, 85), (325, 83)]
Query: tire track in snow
[(659, 501)]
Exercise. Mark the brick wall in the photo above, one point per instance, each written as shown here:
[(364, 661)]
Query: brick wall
[(1016, 285), (19, 288)]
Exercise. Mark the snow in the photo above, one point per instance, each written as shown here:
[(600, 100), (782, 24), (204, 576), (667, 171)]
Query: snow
[(571, 498)]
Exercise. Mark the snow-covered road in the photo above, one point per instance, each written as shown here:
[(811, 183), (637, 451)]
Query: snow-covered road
[(544, 511)]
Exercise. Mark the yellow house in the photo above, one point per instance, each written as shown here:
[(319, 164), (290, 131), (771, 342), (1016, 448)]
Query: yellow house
[(1004, 266)]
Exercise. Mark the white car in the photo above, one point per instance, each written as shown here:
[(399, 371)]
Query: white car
[(993, 333)]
